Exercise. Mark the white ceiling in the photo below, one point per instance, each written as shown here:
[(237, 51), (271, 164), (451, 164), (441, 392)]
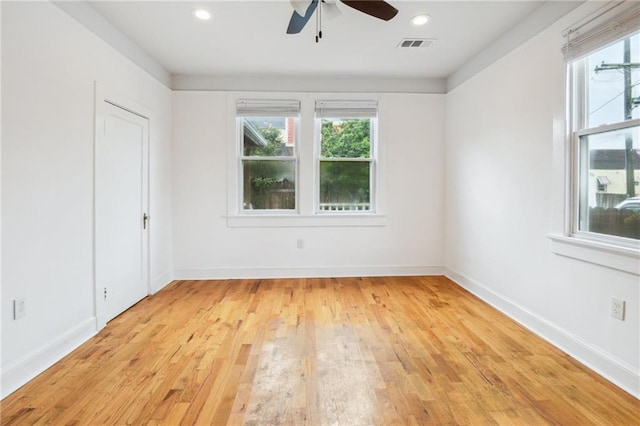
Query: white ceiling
[(248, 37)]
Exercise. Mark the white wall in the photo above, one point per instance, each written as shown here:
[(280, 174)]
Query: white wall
[(499, 134), (49, 66), (411, 129), (503, 188)]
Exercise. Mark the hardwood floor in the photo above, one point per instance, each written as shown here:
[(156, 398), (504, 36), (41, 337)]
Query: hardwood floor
[(347, 351)]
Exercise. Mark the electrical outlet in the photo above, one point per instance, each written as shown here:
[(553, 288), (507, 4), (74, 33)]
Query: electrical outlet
[(19, 308), (617, 308), (300, 243)]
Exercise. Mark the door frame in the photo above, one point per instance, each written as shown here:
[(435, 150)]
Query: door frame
[(105, 94)]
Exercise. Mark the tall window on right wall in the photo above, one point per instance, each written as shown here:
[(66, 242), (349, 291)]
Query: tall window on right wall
[(604, 97), (346, 156)]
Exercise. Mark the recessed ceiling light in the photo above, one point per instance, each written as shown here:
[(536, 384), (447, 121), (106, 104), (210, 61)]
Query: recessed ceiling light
[(420, 19), (202, 14)]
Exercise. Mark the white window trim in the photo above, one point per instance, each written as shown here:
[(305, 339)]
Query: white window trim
[(240, 186), (372, 187), (305, 215), (596, 252), (372, 160), (575, 188), (304, 221), (613, 252), (256, 107)]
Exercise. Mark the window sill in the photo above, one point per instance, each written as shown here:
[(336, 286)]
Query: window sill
[(301, 221), (620, 258)]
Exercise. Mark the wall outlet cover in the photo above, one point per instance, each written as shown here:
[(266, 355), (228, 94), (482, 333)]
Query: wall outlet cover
[(617, 308), (19, 308)]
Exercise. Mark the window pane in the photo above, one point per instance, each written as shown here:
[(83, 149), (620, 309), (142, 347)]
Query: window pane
[(346, 138), (268, 136), (269, 184), (344, 185), (613, 77), (609, 183)]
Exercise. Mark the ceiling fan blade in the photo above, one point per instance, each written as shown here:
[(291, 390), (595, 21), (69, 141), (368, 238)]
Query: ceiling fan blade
[(376, 8), (297, 22)]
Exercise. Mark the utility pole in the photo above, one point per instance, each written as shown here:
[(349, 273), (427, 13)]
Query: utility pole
[(629, 103)]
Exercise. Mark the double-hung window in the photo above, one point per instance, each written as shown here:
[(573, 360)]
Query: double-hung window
[(268, 159), (604, 98), (345, 156)]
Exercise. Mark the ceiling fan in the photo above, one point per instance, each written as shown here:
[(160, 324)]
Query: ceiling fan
[(304, 9)]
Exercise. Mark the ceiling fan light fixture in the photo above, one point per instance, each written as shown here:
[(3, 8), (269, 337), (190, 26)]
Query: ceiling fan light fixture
[(202, 14), (330, 9), (300, 6), (421, 19)]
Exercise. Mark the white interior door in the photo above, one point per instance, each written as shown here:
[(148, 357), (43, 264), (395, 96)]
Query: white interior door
[(122, 250)]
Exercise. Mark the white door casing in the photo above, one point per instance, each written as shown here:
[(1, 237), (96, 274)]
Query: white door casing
[(121, 209)]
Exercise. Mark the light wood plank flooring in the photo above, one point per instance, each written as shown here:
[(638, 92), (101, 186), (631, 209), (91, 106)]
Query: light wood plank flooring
[(346, 351)]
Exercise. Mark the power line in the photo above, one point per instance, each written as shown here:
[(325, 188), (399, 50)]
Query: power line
[(629, 104), (614, 98)]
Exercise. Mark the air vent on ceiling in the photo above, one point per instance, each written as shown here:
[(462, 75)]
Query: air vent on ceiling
[(416, 42)]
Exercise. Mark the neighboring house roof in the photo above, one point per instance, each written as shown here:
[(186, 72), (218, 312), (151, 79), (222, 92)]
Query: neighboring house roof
[(252, 135), (612, 159)]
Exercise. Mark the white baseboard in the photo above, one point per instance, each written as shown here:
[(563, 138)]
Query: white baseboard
[(312, 272), (615, 370), (26, 368), (160, 282)]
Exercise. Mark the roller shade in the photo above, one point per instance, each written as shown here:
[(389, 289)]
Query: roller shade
[(612, 22), (267, 108), (346, 109)]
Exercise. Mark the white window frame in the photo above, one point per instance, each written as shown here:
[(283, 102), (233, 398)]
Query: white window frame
[(305, 215), (265, 108), (582, 39), (347, 109), (575, 193)]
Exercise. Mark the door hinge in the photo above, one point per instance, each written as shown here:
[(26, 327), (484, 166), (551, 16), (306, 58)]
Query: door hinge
[(145, 219)]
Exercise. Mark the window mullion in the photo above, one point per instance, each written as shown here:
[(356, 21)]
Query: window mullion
[(608, 128), (258, 158), (347, 159)]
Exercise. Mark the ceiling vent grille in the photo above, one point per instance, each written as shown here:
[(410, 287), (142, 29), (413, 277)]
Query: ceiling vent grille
[(416, 42)]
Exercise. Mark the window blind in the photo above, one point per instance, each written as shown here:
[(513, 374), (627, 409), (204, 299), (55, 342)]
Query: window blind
[(346, 109), (611, 23), (267, 108)]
